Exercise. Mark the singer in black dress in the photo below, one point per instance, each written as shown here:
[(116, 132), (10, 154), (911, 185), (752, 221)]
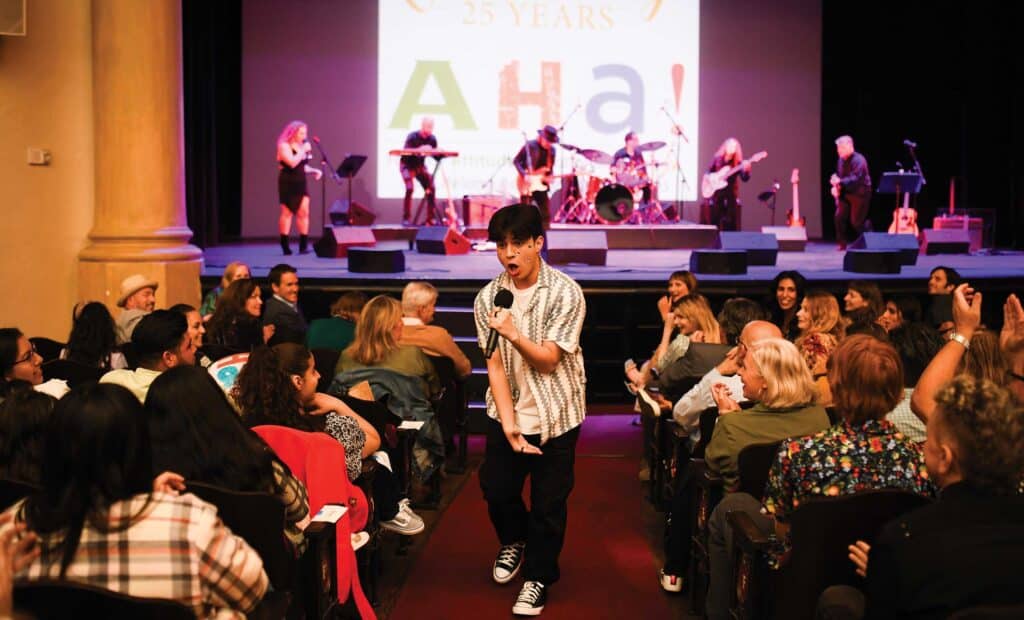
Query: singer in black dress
[(292, 154)]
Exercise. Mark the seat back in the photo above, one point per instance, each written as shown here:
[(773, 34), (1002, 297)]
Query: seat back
[(68, 599), (708, 418), (989, 612), (47, 348), (75, 373), (259, 519), (451, 406), (13, 490), (754, 464), (821, 530), (325, 361)]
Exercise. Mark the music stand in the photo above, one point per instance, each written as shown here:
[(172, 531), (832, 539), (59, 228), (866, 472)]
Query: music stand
[(348, 169), (899, 182)]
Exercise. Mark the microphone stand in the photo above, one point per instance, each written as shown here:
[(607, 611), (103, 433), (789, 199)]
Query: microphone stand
[(490, 180), (680, 176), (325, 163)]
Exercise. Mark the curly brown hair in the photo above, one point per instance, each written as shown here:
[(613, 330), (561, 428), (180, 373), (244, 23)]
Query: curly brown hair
[(988, 429), (264, 390)]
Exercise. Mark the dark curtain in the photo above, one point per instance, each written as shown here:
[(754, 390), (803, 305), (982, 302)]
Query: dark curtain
[(212, 49), (946, 75)]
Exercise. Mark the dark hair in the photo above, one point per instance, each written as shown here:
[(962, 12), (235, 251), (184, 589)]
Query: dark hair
[(182, 309), (952, 275), (278, 270), (871, 294), (629, 134), (988, 429), (93, 336), (916, 344), (349, 305), (231, 308), (264, 390), (195, 432), (686, 277), (157, 332), (23, 419), (522, 221), (735, 314), (863, 321), (909, 307), (866, 379), (9, 337), (778, 315), (97, 453)]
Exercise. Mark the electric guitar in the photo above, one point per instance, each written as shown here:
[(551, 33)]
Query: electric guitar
[(714, 181), (904, 219), (537, 180), (793, 218)]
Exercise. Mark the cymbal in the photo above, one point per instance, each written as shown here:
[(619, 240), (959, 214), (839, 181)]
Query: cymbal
[(597, 156), (569, 147), (650, 146)]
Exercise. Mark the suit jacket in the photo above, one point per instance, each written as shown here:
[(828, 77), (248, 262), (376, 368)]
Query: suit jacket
[(680, 376), (289, 325), (964, 550)]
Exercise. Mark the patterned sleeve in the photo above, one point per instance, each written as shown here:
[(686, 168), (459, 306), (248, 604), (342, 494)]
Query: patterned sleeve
[(481, 308), (778, 492), (564, 319), (346, 430), (230, 571), (292, 494)]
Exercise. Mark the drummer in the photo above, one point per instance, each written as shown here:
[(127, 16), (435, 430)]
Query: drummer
[(629, 166)]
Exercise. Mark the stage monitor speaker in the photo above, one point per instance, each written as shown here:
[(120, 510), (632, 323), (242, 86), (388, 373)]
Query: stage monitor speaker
[(336, 240), (935, 241), (790, 238), (906, 245), (589, 247), (441, 240), (872, 261), (340, 214), (725, 262), (761, 249), (375, 260)]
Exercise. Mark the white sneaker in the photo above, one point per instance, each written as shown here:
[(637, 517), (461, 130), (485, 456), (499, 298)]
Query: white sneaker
[(405, 522), (531, 599), (670, 583), (359, 540), (508, 562)]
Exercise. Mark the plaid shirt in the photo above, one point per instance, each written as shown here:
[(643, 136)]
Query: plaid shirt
[(176, 548), (556, 314)]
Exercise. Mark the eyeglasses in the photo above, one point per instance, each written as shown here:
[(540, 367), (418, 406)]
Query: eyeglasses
[(27, 357)]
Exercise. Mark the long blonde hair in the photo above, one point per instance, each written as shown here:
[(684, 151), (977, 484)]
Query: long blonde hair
[(737, 156), (289, 131), (375, 331), (824, 315), (788, 381), (695, 307)]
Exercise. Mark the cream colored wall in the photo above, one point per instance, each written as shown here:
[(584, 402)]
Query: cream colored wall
[(47, 211)]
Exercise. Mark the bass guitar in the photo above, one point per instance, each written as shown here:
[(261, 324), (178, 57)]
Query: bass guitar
[(714, 181), (793, 218)]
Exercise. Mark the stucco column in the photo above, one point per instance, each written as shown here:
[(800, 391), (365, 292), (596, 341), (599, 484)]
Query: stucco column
[(139, 224)]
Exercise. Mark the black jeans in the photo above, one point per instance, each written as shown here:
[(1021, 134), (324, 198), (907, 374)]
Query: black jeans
[(679, 524), (542, 528), (542, 201), (851, 213), (725, 210), (720, 549)]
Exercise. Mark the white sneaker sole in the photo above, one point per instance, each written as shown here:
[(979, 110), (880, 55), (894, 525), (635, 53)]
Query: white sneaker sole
[(403, 531), (527, 611), (510, 577)]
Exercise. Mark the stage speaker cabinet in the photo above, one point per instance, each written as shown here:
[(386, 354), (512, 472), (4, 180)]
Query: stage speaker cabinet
[(906, 245), (337, 240), (790, 238), (723, 262), (375, 260), (478, 209), (761, 249), (340, 214), (589, 247), (935, 241), (872, 261), (441, 240)]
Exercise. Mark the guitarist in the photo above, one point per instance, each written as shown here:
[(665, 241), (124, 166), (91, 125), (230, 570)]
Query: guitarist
[(851, 187), (724, 205), (537, 157)]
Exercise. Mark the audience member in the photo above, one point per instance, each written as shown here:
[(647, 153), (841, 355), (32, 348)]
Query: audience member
[(195, 432), (337, 331), (942, 280), (23, 419), (196, 329), (282, 308), (103, 519), (900, 310), (693, 320), (138, 298), (821, 329), (916, 344), (234, 271), (19, 361), (235, 324), (862, 452), (159, 342), (680, 284), (93, 338), (278, 386), (864, 309), (419, 301), (787, 293), (941, 283), (376, 345)]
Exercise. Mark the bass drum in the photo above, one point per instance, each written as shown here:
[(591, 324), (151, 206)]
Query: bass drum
[(614, 204)]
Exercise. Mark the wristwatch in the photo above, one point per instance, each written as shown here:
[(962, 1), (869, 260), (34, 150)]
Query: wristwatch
[(961, 339)]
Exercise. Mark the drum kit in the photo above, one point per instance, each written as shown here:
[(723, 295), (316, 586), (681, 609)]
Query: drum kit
[(627, 194)]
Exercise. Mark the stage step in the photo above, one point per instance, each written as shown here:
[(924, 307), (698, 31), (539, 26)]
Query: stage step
[(458, 321), (477, 418), (471, 348)]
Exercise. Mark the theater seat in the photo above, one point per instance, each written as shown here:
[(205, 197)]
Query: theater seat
[(68, 599)]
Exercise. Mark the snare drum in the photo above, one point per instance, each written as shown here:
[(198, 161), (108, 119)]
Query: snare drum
[(629, 174), (594, 186)]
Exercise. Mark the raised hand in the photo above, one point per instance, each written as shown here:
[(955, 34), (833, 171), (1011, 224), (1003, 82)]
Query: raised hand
[(859, 556), (1011, 338), (966, 310)]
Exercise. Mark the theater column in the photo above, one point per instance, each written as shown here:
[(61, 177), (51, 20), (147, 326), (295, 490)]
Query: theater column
[(139, 224)]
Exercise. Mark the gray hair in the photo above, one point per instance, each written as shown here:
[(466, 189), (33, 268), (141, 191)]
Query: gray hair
[(416, 295)]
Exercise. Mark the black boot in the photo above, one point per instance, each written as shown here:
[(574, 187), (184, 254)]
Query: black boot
[(284, 245), (303, 242)]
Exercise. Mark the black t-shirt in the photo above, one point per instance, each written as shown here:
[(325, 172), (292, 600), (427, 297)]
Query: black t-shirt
[(414, 141)]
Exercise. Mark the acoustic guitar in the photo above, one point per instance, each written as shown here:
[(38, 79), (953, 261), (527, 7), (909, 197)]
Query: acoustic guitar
[(793, 218), (714, 181), (904, 219)]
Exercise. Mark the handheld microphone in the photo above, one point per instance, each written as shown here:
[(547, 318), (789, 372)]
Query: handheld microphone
[(504, 300), (910, 144)]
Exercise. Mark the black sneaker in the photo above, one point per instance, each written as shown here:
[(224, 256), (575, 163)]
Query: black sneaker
[(531, 599), (508, 562)]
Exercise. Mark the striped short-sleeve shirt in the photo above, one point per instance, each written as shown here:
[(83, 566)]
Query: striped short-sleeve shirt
[(556, 314)]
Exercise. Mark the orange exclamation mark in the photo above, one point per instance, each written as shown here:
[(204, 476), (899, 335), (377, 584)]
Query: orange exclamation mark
[(677, 83)]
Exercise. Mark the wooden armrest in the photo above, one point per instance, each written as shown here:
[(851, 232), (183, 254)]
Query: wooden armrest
[(746, 533)]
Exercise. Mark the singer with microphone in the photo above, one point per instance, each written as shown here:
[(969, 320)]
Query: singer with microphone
[(851, 188), (293, 153), (528, 322)]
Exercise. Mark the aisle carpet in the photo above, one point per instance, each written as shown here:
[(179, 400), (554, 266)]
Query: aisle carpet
[(608, 570)]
